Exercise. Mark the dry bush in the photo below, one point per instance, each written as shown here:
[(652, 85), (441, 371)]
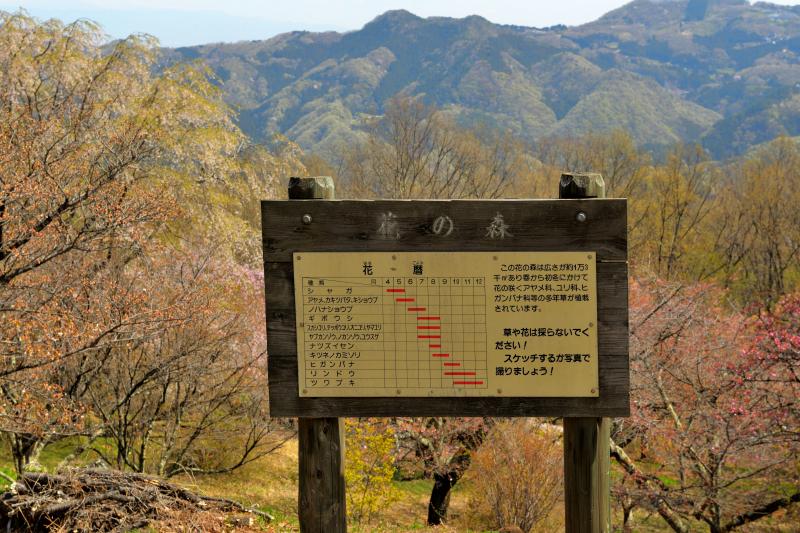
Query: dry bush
[(516, 475), (111, 500)]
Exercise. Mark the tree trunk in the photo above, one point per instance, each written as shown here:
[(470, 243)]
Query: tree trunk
[(627, 511), (442, 483), (2, 223), (25, 450), (440, 499)]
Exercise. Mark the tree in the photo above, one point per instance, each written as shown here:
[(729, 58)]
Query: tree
[(103, 166), (614, 155), (517, 474), (761, 245), (770, 365), (414, 151), (677, 199), (191, 398), (444, 446), (369, 467), (710, 441)]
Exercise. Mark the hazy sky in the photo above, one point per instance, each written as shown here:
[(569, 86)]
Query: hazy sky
[(186, 22)]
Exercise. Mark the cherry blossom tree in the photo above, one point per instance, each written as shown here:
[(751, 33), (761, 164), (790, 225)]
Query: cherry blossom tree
[(711, 439)]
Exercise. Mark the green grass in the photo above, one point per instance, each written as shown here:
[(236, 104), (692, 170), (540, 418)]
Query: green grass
[(669, 482), (415, 487), (54, 453), (8, 471)]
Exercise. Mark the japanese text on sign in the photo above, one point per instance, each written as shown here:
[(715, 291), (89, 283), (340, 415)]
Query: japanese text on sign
[(520, 324)]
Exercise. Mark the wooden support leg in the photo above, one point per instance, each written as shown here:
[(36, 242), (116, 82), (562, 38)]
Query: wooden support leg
[(321, 499), (321, 502), (586, 471), (587, 454)]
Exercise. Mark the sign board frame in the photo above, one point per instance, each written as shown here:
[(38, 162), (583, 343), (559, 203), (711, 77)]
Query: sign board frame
[(447, 226)]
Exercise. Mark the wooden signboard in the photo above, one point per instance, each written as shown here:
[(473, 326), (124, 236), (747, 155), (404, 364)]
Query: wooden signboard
[(448, 308)]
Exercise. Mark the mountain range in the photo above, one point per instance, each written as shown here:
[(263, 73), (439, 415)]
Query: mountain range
[(724, 73)]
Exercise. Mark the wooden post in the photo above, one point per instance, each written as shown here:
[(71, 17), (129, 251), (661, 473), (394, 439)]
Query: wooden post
[(587, 505), (321, 499)]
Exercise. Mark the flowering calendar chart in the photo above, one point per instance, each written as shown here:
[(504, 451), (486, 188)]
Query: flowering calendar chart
[(521, 324)]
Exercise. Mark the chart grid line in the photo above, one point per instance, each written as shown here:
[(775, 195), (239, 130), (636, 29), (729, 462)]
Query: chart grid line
[(397, 339)]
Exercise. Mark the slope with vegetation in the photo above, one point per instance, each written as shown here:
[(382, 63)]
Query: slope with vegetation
[(723, 72), (129, 259)]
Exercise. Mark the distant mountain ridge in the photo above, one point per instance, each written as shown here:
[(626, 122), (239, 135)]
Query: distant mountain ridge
[(721, 72)]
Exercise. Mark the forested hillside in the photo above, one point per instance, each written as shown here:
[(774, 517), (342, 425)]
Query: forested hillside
[(721, 72)]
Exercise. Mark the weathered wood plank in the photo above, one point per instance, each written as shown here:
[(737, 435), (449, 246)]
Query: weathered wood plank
[(281, 341), (354, 225), (613, 401), (612, 283)]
